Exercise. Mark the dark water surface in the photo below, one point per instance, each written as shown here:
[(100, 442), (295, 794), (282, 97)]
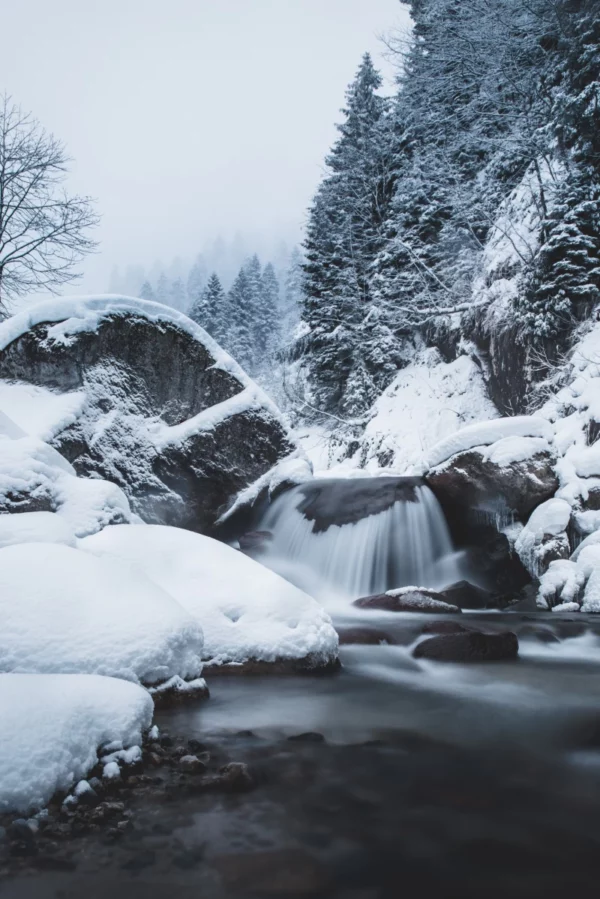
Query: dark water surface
[(442, 780)]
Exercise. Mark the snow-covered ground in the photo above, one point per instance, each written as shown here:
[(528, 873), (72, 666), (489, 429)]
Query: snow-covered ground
[(428, 401), (64, 611), (52, 726), (247, 611)]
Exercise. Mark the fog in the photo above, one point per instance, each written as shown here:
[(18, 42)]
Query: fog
[(190, 119)]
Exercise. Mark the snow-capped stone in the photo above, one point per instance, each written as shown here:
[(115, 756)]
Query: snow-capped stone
[(139, 395), (65, 610), (562, 583), (487, 433), (544, 538), (35, 478), (52, 726), (248, 613), (503, 467), (408, 599)]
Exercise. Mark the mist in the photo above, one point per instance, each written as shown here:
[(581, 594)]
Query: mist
[(192, 119)]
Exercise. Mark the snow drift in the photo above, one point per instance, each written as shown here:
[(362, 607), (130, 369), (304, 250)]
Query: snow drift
[(67, 611), (248, 613), (52, 726)]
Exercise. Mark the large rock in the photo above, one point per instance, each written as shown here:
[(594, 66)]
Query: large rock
[(474, 480), (161, 410), (469, 647)]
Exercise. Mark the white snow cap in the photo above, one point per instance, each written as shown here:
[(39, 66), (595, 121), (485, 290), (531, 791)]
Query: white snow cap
[(74, 315), (247, 611), (52, 726), (66, 611), (489, 432), (35, 527)]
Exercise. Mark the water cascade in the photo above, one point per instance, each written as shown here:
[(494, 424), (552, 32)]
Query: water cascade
[(360, 536)]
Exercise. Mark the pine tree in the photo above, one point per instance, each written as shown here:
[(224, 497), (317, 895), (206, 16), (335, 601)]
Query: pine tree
[(163, 290), (269, 337), (196, 282), (146, 292), (345, 232), (253, 304), (211, 310), (564, 284), (177, 297), (239, 336)]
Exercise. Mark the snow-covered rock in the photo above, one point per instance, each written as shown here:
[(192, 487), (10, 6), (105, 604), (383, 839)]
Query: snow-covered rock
[(248, 613), (503, 467), (507, 436), (52, 726), (137, 394), (544, 538), (562, 583), (66, 611), (35, 478)]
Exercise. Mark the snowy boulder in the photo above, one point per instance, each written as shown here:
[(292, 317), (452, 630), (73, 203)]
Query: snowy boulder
[(250, 616), (544, 538), (35, 527), (504, 467), (408, 599), (66, 611), (136, 393), (52, 727), (563, 583), (36, 480)]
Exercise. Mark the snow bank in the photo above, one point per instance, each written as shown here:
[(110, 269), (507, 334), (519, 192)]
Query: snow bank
[(491, 432), (544, 535), (33, 475), (428, 401), (67, 611), (247, 611), (52, 726), (35, 527)]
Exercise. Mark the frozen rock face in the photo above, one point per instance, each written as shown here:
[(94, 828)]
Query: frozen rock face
[(163, 412)]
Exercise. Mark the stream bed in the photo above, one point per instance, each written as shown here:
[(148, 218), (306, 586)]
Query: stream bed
[(391, 778)]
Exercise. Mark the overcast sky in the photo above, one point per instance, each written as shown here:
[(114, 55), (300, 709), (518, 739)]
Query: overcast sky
[(190, 118)]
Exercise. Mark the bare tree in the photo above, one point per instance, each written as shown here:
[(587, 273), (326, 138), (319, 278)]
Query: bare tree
[(44, 232)]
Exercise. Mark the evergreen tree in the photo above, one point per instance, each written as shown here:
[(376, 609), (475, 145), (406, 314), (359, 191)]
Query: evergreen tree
[(269, 336), (146, 292), (239, 337), (196, 282), (211, 310), (163, 290), (177, 297), (345, 232)]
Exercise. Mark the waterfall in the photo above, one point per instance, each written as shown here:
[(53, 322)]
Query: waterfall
[(360, 536)]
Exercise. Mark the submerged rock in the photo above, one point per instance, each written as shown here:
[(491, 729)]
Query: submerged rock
[(363, 636), (408, 599), (474, 646), (466, 595)]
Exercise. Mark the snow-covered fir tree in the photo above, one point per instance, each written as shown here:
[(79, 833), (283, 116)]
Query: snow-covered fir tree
[(146, 291), (211, 310)]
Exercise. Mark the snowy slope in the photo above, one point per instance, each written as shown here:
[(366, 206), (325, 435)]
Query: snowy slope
[(428, 401), (66, 611), (52, 726), (247, 612)]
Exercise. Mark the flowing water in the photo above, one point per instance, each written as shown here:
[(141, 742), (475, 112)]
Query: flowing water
[(403, 542), (394, 777)]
